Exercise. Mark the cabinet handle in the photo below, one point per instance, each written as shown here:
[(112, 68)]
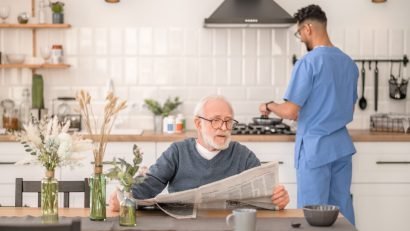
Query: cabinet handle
[(264, 162), (106, 162), (7, 163), (392, 162)]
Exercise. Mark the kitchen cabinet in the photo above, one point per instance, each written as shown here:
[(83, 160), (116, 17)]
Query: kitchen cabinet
[(381, 185), (11, 152)]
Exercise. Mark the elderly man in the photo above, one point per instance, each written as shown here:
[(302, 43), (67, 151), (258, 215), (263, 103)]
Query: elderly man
[(210, 157)]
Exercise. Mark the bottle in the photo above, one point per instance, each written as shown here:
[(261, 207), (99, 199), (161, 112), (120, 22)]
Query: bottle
[(179, 124), (41, 12), (165, 124), (25, 107), (171, 124), (37, 91)]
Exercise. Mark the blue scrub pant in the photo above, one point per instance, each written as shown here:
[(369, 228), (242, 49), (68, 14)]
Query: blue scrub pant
[(327, 184)]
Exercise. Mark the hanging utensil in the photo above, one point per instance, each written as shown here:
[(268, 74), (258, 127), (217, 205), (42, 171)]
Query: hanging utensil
[(363, 101), (376, 86)]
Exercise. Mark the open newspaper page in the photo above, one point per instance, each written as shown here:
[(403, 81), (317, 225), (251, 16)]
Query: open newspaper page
[(251, 187)]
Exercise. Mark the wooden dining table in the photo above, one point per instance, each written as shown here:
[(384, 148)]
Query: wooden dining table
[(157, 220)]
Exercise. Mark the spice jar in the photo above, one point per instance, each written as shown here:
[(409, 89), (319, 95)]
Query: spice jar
[(10, 115), (57, 54)]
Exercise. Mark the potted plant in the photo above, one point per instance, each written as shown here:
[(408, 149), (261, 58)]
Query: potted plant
[(161, 111), (125, 173), (58, 9)]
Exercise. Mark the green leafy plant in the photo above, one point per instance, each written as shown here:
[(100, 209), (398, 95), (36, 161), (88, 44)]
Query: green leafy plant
[(164, 110), (125, 172), (57, 7)]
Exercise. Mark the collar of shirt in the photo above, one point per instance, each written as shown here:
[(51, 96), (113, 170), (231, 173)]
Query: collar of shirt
[(205, 153)]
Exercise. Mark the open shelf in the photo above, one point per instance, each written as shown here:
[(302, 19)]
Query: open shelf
[(34, 26), (36, 66)]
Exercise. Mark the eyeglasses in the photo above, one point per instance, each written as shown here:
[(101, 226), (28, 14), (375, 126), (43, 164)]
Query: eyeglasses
[(297, 33), (218, 123)]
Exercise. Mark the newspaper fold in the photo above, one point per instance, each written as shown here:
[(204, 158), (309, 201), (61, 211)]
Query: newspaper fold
[(251, 187)]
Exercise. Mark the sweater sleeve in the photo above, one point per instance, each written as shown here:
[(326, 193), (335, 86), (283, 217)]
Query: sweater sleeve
[(158, 175), (252, 161)]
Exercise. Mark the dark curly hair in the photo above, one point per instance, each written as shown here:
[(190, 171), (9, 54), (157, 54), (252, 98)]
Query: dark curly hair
[(313, 12)]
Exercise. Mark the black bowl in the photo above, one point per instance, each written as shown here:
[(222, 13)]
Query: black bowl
[(321, 215)]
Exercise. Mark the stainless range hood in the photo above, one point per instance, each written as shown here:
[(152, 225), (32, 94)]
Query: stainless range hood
[(249, 13)]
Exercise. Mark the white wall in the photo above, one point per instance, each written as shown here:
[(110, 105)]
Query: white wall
[(158, 48)]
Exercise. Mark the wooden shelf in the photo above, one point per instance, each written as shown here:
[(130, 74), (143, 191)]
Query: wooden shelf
[(36, 66), (34, 26)]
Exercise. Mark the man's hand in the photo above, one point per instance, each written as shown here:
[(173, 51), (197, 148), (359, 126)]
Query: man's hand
[(262, 109), (280, 196), (113, 202)]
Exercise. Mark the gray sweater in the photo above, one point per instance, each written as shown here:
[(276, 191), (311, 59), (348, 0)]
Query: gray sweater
[(181, 167)]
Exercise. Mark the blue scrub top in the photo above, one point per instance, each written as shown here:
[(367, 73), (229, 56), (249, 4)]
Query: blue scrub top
[(324, 85)]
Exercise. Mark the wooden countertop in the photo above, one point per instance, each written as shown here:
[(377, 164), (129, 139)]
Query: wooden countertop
[(150, 136)]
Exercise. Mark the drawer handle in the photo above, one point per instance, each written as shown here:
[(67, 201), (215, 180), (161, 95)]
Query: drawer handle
[(392, 162), (7, 163), (106, 162), (264, 162)]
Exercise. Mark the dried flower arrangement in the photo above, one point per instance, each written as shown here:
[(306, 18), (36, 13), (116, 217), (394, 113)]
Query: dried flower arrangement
[(112, 107), (50, 145)]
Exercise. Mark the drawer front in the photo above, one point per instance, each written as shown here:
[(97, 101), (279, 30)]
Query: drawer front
[(382, 163)]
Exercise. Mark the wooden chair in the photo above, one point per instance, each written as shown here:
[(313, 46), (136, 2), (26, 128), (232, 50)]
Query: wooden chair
[(65, 187), (74, 225)]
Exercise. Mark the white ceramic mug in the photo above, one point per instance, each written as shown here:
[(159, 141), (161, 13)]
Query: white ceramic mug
[(244, 219)]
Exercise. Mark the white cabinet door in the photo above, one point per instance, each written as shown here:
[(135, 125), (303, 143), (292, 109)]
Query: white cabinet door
[(11, 152), (283, 153), (381, 207)]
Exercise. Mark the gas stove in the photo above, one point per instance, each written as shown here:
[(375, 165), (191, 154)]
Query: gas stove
[(255, 129)]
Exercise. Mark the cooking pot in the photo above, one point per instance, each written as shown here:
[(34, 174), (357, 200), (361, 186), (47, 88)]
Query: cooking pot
[(265, 120)]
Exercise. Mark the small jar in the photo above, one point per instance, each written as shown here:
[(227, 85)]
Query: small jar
[(57, 54), (10, 119), (10, 115)]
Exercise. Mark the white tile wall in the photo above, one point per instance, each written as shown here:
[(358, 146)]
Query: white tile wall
[(248, 66)]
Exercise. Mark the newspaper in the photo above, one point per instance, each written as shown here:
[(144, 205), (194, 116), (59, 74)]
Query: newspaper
[(252, 187)]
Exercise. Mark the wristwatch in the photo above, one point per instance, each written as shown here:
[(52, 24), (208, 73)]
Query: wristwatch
[(266, 105)]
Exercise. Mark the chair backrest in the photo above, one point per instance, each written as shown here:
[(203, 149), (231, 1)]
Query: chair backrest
[(63, 186), (74, 225)]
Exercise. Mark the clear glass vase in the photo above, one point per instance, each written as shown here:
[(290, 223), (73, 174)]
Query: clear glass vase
[(97, 197), (49, 198), (128, 210)]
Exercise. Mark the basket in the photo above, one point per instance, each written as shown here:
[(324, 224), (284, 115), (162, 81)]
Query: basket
[(389, 123)]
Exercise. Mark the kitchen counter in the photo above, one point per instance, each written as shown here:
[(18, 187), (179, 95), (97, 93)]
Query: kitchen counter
[(150, 136)]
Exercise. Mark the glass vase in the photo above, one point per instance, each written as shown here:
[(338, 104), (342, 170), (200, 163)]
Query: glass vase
[(49, 198), (158, 121), (97, 197), (128, 210)]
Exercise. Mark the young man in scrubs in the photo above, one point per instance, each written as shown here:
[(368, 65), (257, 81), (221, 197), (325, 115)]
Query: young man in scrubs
[(321, 96)]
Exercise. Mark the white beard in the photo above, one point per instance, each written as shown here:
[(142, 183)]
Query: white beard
[(210, 142)]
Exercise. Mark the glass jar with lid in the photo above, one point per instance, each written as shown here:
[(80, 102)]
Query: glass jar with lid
[(10, 115)]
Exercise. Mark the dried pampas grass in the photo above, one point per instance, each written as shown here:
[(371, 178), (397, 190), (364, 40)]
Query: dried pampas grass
[(112, 107)]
